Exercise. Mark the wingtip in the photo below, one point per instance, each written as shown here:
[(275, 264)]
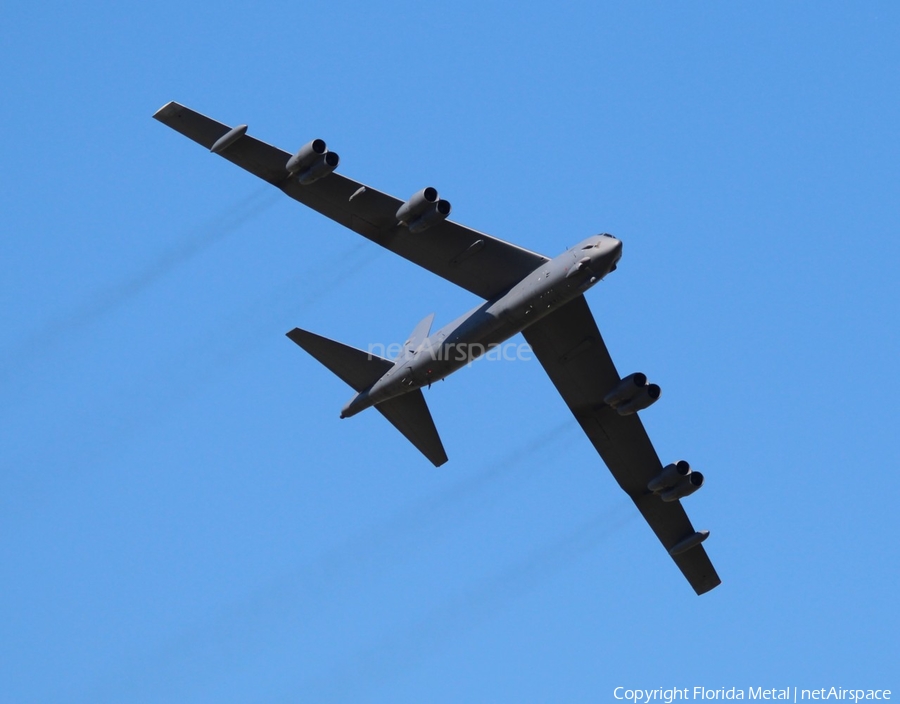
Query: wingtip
[(295, 335), (166, 110), (708, 586)]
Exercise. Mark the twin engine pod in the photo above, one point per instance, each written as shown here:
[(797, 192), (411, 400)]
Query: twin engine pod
[(676, 481), (423, 210), (311, 162), (632, 394)]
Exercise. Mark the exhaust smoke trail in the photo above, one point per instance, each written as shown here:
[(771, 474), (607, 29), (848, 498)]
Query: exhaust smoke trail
[(237, 633), (145, 397), (236, 336), (106, 300), (84, 438), (402, 652)]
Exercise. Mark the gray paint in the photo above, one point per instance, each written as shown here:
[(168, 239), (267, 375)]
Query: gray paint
[(524, 292), (455, 345)]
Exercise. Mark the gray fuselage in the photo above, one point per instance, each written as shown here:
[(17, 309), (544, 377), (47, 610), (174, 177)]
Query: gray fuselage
[(457, 344)]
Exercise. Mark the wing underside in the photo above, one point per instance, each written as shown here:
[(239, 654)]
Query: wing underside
[(569, 347), (567, 342), (477, 262)]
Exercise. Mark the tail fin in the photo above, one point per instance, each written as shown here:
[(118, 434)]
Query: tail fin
[(355, 367), (407, 413), (419, 333)]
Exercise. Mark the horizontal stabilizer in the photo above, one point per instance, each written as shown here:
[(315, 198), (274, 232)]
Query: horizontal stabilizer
[(356, 367), (410, 415)]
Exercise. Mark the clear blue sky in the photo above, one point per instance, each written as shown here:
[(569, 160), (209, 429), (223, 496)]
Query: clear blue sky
[(183, 517)]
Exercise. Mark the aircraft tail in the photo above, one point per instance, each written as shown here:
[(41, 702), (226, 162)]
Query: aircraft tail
[(418, 335), (355, 367), (408, 413)]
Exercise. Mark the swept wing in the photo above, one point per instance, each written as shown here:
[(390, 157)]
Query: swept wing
[(567, 342), (448, 249), (569, 347)]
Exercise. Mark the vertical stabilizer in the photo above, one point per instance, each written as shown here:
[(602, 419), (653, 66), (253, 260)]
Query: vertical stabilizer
[(419, 334)]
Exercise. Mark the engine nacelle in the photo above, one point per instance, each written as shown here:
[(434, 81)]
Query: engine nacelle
[(671, 475), (311, 162), (626, 389), (644, 398), (432, 215), (417, 205), (306, 156), (686, 487), (320, 168), (632, 394)]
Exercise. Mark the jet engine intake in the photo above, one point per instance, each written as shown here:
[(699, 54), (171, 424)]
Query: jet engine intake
[(417, 205), (311, 162), (645, 397), (671, 475), (423, 210), (691, 483), (439, 211), (676, 481), (632, 394)]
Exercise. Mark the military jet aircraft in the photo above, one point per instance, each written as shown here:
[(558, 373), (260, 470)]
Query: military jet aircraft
[(541, 297)]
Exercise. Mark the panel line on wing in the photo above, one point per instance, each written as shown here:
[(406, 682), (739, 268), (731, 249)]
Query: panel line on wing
[(578, 349)]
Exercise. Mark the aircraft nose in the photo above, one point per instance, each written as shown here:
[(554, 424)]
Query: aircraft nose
[(615, 244), (610, 250)]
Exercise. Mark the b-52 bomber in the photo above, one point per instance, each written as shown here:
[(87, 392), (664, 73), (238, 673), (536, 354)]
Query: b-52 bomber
[(524, 292)]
